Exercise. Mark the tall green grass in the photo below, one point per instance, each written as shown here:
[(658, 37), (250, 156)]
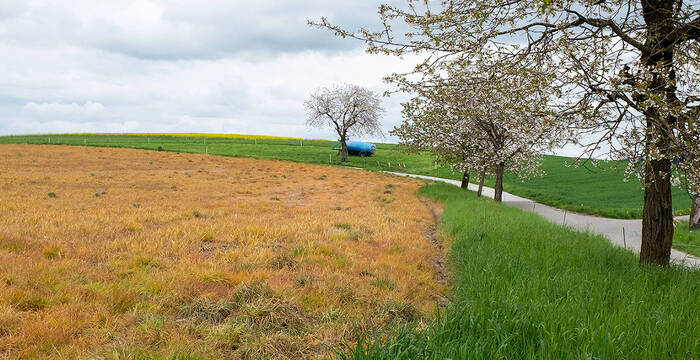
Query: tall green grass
[(525, 288), (601, 191)]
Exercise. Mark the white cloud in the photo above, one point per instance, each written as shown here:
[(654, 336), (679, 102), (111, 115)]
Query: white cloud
[(72, 111)]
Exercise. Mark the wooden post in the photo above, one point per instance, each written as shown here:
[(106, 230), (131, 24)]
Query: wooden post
[(624, 237)]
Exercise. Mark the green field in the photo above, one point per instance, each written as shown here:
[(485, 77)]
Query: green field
[(525, 288), (686, 240), (599, 191)]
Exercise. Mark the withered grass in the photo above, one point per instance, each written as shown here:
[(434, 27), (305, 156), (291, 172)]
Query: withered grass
[(119, 253)]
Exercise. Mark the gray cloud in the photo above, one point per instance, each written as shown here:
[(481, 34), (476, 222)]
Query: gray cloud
[(11, 8), (184, 29)]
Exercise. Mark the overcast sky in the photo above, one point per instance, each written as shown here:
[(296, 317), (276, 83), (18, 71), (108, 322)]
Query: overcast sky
[(179, 65)]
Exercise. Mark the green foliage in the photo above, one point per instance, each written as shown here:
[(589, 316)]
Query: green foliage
[(527, 288)]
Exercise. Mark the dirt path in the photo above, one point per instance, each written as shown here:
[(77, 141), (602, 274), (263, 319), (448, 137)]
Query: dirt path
[(623, 233), (438, 262)]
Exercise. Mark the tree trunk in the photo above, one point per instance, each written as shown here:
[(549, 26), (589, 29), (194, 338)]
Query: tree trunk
[(498, 189), (657, 219), (465, 180), (482, 176), (343, 151), (695, 213)]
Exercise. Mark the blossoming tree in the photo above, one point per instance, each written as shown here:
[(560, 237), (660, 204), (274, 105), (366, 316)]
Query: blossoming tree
[(347, 109), (472, 115)]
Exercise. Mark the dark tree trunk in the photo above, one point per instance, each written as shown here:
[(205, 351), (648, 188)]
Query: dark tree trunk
[(482, 176), (657, 220), (465, 180), (343, 151), (498, 189), (695, 213)]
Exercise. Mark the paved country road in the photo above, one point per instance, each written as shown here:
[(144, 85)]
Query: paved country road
[(623, 233)]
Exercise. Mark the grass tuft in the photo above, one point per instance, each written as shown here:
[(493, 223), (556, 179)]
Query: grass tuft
[(53, 252), (399, 310), (383, 283)]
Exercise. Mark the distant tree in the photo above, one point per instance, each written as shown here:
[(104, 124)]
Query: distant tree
[(695, 213), (348, 109), (629, 70), (688, 165)]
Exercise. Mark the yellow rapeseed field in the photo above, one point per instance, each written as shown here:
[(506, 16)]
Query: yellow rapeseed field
[(130, 254)]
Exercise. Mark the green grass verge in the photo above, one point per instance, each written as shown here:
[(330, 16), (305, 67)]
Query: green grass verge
[(685, 240), (525, 288), (596, 191)]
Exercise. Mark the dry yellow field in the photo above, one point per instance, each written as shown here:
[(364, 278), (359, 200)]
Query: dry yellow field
[(130, 254)]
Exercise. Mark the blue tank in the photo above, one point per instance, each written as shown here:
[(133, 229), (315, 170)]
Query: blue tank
[(360, 148)]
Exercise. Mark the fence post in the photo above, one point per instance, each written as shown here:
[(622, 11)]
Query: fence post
[(565, 212), (624, 237)]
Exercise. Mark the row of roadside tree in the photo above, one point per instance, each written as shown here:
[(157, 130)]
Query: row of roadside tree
[(501, 82)]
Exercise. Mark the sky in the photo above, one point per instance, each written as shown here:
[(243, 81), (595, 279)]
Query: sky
[(211, 66)]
